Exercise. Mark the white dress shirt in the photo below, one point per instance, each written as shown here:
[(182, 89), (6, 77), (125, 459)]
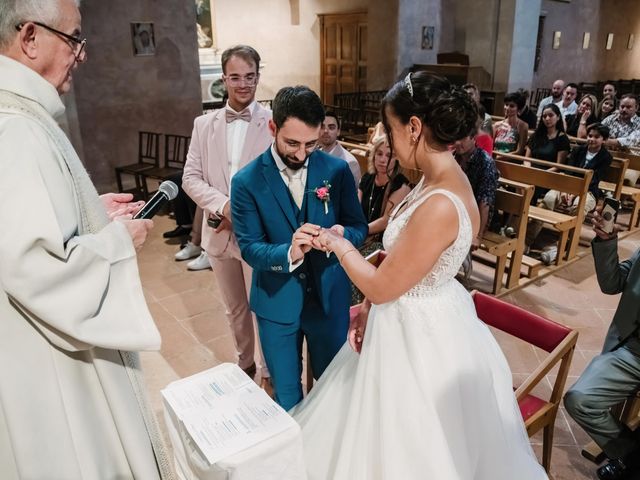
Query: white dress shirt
[(236, 136), (285, 178)]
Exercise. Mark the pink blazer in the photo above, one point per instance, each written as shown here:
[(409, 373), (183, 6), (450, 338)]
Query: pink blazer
[(206, 172)]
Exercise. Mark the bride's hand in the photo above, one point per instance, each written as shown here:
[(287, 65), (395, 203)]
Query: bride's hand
[(357, 327), (327, 240)]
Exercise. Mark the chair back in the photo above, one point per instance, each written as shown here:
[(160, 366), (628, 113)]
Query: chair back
[(534, 329), (149, 148), (175, 150)]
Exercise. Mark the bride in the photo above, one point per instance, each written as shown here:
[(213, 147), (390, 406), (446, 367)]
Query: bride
[(421, 390)]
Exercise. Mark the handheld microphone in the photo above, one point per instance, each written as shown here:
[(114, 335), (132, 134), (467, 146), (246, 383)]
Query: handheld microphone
[(166, 191)]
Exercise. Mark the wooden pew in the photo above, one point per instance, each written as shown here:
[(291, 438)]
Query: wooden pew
[(630, 193), (516, 204), (512, 167), (613, 177)]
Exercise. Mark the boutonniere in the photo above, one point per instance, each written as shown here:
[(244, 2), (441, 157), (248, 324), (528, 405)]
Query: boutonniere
[(323, 194)]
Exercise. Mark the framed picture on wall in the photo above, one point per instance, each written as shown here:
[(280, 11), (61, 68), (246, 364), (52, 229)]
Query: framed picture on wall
[(556, 40), (427, 37), (143, 39), (630, 41), (586, 38)]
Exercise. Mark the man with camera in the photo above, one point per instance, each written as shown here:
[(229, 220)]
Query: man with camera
[(614, 375)]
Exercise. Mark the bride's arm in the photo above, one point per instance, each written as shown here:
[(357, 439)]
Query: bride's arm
[(432, 228)]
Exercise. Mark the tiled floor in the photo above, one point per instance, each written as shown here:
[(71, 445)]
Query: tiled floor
[(190, 316)]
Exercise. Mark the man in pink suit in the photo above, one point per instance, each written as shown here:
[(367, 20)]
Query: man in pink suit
[(222, 143)]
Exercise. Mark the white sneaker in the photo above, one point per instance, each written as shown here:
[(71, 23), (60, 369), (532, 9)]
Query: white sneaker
[(189, 251), (200, 263)]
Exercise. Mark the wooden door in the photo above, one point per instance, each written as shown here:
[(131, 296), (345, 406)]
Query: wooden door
[(343, 54)]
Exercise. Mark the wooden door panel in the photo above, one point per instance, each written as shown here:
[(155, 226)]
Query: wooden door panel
[(343, 51)]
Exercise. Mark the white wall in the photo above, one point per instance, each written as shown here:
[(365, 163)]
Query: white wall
[(290, 52)]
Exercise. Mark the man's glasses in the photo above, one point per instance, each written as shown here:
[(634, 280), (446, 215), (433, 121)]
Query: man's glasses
[(249, 80), (292, 147), (77, 44)]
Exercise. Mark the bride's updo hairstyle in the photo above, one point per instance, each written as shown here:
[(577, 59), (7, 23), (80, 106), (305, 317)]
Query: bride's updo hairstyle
[(448, 111)]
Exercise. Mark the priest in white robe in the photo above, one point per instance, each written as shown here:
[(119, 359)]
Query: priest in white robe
[(72, 311)]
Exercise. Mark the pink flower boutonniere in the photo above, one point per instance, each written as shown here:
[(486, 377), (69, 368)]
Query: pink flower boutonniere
[(324, 196)]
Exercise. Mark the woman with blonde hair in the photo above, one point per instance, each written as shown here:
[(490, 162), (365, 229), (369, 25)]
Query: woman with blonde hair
[(576, 123), (381, 188), (607, 106)]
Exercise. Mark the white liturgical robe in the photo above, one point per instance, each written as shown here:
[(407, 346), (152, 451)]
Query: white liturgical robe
[(69, 303)]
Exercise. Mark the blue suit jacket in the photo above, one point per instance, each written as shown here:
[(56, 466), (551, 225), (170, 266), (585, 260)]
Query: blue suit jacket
[(264, 219)]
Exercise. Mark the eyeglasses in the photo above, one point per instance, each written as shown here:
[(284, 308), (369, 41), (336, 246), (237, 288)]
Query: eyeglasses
[(78, 45), (291, 147), (250, 80)]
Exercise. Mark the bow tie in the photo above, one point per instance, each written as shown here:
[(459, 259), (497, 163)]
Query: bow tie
[(232, 116)]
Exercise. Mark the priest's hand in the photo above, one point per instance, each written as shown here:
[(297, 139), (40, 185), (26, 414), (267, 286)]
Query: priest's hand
[(138, 229), (119, 204)]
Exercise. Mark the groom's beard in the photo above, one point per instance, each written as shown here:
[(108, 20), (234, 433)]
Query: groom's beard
[(290, 161)]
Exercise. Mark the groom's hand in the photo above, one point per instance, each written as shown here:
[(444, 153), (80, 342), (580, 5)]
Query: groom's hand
[(302, 240)]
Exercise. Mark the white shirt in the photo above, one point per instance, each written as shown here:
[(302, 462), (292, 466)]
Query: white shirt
[(570, 109), (285, 178), (236, 135), (340, 152)]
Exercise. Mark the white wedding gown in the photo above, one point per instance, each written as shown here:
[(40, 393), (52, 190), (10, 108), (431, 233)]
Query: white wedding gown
[(430, 396)]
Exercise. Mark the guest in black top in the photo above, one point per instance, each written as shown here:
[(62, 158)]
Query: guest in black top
[(576, 124), (381, 188), (549, 142)]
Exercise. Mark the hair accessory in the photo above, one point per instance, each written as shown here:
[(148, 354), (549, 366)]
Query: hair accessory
[(407, 83)]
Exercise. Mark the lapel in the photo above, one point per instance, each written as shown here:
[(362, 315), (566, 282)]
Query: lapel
[(278, 188), (219, 144), (254, 131), (316, 175)]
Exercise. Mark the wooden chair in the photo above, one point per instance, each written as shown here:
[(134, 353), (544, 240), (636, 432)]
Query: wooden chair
[(559, 341), (613, 177), (175, 156), (374, 258), (629, 193), (577, 183), (515, 203), (148, 157)]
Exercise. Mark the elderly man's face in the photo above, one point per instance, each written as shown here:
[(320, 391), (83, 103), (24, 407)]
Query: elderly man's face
[(59, 53)]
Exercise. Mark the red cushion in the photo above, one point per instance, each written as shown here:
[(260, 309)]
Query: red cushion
[(528, 326), (529, 405)]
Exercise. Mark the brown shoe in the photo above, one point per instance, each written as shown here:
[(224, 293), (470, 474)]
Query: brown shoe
[(250, 370), (265, 384)]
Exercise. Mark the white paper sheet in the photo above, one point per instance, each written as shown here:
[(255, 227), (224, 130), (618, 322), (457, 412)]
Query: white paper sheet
[(224, 411)]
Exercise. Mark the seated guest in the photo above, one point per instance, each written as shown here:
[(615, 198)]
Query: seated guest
[(381, 189), (609, 89), (329, 143), (568, 105), (510, 134), (483, 176), (624, 130), (614, 375), (548, 141), (576, 124), (606, 107), (556, 96), (526, 114), (593, 156)]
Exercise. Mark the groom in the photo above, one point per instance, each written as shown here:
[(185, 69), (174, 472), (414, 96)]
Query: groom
[(279, 202)]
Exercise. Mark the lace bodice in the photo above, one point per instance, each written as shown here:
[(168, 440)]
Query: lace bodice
[(449, 262)]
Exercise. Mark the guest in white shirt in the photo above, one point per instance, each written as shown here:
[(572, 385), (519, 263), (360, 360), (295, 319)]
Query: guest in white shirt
[(555, 97), (568, 105), (329, 143)]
